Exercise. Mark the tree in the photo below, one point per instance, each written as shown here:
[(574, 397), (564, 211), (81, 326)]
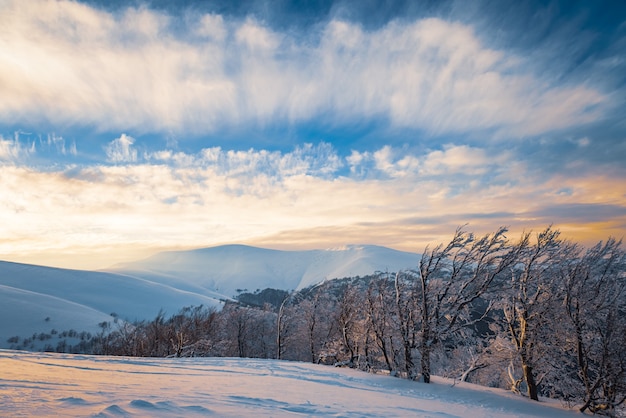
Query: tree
[(379, 308), (350, 325), (595, 305), (530, 307), (406, 310), (450, 281)]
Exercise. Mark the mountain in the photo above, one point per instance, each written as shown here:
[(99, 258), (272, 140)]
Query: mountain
[(25, 313), (227, 270), (36, 299)]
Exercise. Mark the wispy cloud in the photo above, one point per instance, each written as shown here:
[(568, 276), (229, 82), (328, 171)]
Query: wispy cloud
[(136, 70), (183, 129), (13, 150), (121, 150), (288, 199)]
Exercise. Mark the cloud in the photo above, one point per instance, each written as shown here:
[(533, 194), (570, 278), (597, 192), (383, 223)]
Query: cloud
[(120, 150), (392, 197), (417, 118), (138, 70), (319, 160), (57, 143), (13, 150)]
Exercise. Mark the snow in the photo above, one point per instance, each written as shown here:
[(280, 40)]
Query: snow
[(226, 269), (29, 313), (47, 384), (170, 281), (79, 300)]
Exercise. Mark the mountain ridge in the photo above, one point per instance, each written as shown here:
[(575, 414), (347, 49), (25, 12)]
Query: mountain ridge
[(228, 268), (171, 280)]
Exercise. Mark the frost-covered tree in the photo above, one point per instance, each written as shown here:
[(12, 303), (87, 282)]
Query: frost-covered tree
[(381, 323), (529, 307), (450, 280), (351, 326), (595, 306)]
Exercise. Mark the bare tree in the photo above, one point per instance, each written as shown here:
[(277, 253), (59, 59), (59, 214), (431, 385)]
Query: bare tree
[(450, 280), (595, 303), (405, 314), (350, 325), (379, 307), (530, 306)]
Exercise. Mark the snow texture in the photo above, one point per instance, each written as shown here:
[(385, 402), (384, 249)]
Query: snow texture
[(38, 384)]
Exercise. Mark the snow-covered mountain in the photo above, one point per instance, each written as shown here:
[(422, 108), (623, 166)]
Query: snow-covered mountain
[(37, 299), (225, 270)]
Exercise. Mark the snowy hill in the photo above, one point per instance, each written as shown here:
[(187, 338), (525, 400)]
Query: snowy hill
[(36, 299), (25, 313), (226, 269), (37, 384)]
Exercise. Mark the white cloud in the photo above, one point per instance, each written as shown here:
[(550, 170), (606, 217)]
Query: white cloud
[(256, 38), (394, 197), (14, 150), (319, 160), (455, 159), (211, 26), (120, 150), (68, 63), (57, 143)]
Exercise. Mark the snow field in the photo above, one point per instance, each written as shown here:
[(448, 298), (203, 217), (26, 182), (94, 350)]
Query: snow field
[(46, 384)]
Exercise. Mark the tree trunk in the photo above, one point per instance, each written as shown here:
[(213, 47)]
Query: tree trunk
[(425, 363), (426, 331), (529, 378), (408, 361)]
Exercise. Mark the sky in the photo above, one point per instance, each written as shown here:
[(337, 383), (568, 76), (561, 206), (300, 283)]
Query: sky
[(130, 127)]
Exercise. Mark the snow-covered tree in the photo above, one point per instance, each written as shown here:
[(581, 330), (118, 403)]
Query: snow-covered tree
[(595, 306), (381, 323), (530, 304), (450, 280)]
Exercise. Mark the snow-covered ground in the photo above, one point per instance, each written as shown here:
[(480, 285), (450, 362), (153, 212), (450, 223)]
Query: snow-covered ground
[(37, 299), (43, 384)]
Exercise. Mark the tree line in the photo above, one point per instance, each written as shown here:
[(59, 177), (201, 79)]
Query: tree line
[(539, 315)]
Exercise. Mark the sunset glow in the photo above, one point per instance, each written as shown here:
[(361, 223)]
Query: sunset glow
[(134, 128)]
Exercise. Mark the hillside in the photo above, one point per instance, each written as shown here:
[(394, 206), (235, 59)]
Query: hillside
[(71, 386), (228, 269), (37, 299)]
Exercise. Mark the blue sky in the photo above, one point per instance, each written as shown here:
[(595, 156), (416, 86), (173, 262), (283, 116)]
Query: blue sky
[(132, 127)]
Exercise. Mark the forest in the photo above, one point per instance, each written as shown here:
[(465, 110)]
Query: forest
[(539, 315)]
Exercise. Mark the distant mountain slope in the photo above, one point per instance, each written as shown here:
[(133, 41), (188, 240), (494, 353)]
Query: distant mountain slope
[(169, 281), (25, 313), (227, 269), (75, 299)]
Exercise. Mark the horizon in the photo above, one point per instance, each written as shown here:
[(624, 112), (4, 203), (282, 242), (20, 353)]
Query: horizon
[(128, 128), (71, 263)]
